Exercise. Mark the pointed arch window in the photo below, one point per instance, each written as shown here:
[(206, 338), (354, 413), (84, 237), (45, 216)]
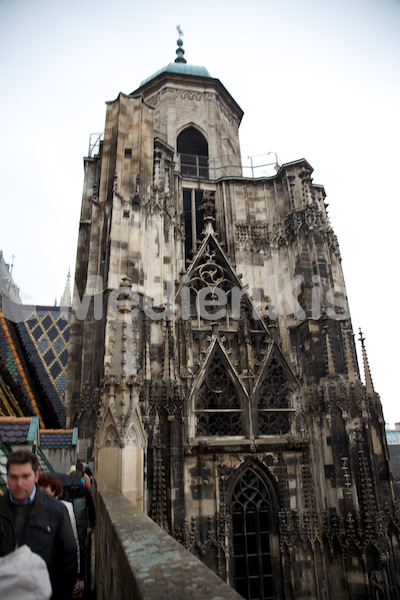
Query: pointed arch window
[(273, 401), (192, 148), (252, 528), (218, 408)]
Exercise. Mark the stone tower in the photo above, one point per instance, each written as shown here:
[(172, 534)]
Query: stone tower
[(212, 367)]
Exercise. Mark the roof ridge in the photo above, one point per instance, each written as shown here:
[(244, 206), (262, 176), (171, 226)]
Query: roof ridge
[(15, 419)]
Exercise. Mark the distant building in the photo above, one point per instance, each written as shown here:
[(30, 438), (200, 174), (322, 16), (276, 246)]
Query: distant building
[(393, 440), (7, 285), (212, 367)]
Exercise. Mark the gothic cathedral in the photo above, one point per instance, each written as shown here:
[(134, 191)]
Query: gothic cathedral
[(212, 369)]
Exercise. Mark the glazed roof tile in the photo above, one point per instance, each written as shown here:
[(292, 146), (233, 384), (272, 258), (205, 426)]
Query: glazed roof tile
[(44, 337), (18, 430), (11, 398), (58, 438), (14, 371)]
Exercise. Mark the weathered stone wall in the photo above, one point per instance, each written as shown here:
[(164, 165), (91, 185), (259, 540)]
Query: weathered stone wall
[(137, 560), (194, 413), (208, 107)]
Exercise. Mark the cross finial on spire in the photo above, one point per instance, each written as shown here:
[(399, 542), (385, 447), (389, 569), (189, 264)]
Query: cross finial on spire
[(180, 51)]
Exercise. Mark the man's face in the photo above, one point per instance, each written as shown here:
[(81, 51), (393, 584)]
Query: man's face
[(21, 481)]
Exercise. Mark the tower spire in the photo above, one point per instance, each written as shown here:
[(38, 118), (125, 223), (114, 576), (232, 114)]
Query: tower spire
[(180, 51), (367, 373), (66, 297)]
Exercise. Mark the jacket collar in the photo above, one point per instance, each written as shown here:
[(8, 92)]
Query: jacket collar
[(37, 504)]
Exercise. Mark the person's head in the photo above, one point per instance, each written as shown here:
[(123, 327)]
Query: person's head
[(76, 474), (22, 474), (49, 483)]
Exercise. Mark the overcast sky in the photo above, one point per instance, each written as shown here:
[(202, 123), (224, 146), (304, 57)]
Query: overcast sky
[(317, 79)]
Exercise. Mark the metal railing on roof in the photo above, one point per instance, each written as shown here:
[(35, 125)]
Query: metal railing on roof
[(204, 167), (95, 140), (194, 166)]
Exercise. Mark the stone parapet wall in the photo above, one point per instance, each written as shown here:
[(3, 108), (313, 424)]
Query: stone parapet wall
[(137, 560)]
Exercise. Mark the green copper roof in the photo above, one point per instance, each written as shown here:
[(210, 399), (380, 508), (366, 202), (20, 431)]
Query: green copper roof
[(179, 66), (182, 68)]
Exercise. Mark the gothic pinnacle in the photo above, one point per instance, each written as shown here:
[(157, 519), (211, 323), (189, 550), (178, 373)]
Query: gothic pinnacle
[(66, 297), (367, 373)]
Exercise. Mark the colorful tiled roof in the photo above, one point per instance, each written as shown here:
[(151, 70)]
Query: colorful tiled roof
[(33, 362), (34, 353), (13, 363), (58, 438), (18, 430), (11, 398), (45, 336)]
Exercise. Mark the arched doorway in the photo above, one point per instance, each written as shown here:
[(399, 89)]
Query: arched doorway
[(253, 529)]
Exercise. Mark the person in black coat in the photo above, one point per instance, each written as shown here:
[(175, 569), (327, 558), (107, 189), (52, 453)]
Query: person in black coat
[(82, 501), (32, 517)]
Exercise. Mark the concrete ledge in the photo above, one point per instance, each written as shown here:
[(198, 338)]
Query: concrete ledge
[(136, 559)]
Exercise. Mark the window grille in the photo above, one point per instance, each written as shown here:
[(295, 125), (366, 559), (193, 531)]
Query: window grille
[(194, 166), (274, 414), (218, 406), (251, 512)]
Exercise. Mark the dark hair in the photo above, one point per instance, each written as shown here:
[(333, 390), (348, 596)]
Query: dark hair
[(21, 457), (77, 474), (52, 481)]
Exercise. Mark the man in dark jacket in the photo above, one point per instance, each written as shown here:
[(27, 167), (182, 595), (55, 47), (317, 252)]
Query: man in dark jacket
[(32, 517)]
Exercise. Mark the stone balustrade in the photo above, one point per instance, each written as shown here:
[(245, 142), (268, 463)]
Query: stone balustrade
[(137, 560)]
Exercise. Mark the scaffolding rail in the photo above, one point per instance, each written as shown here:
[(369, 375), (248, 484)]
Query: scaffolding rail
[(204, 167)]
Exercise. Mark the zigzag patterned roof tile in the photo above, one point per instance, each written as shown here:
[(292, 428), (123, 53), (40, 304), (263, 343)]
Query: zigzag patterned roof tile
[(45, 336)]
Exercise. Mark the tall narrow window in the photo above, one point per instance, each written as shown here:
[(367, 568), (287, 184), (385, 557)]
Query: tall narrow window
[(274, 413), (251, 516), (194, 224)]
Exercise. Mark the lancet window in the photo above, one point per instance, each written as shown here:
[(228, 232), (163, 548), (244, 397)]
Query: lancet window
[(251, 530), (219, 410), (273, 401), (223, 408)]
